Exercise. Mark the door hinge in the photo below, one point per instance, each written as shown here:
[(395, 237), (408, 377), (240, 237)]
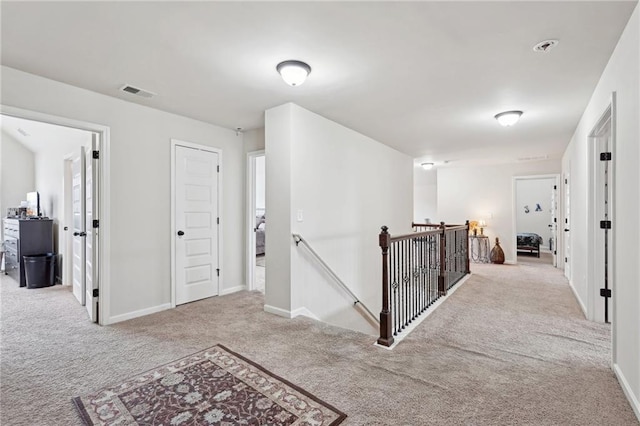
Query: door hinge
[(566, 220), (555, 187), (555, 252), (218, 169), (565, 260), (555, 220), (605, 224), (605, 156), (605, 292), (96, 223), (96, 155), (218, 220), (566, 181), (96, 292), (218, 271)]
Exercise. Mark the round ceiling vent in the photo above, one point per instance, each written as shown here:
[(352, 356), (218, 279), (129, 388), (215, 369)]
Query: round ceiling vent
[(545, 46)]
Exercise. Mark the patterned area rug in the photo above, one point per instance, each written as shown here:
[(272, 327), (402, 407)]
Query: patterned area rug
[(212, 387)]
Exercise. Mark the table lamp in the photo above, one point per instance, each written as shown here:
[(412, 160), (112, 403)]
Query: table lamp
[(482, 224)]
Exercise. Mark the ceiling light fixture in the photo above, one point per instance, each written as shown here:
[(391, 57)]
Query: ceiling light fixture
[(508, 118), (294, 73), (427, 166)]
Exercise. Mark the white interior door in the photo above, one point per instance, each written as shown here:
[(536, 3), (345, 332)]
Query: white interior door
[(567, 228), (196, 222), (553, 226), (78, 209), (91, 237)]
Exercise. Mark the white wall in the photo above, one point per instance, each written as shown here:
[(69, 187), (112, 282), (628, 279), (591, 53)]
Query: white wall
[(530, 192), (17, 173), (140, 184), (425, 194), (260, 183), (345, 186), (621, 76), (486, 192)]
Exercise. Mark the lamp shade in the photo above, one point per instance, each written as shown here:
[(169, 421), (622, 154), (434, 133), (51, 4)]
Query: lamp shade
[(508, 118), (294, 73)]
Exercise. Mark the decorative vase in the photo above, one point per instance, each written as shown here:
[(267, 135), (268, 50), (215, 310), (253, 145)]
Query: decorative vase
[(497, 255)]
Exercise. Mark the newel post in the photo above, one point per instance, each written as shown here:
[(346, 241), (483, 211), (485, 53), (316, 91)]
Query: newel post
[(442, 288), (467, 269), (386, 335)]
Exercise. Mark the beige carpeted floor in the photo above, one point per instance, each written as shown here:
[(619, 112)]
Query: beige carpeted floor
[(509, 347)]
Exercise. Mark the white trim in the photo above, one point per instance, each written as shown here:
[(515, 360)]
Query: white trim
[(140, 313), (400, 337), (277, 311), (104, 243), (582, 306), (178, 142), (251, 218), (628, 392), (305, 313), (514, 212), (235, 289)]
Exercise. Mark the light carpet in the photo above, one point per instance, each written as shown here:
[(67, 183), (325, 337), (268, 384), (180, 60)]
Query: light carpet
[(509, 347)]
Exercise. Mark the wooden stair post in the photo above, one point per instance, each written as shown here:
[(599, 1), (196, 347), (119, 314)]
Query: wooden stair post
[(386, 335)]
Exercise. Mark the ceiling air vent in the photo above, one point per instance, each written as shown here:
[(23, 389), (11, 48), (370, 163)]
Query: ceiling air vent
[(137, 91), (545, 46)]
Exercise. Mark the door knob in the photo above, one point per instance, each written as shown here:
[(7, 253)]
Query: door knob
[(180, 233), (66, 228), (80, 234), (566, 229)]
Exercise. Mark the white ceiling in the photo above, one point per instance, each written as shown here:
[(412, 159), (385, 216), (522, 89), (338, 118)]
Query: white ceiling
[(423, 77), (44, 138)]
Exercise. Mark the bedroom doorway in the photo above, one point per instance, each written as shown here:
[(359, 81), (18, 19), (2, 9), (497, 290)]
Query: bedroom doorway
[(256, 221), (536, 219)]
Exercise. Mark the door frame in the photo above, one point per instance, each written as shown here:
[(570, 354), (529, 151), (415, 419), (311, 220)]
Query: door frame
[(200, 147), (594, 216), (251, 218), (514, 222), (104, 196)]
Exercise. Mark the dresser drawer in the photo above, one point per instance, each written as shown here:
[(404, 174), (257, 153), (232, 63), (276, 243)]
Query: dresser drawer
[(10, 243), (11, 232), (10, 259)]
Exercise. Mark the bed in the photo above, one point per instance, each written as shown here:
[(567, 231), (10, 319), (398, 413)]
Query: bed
[(260, 242), (529, 241)]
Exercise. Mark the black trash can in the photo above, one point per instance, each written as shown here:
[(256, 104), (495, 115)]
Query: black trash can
[(39, 270)]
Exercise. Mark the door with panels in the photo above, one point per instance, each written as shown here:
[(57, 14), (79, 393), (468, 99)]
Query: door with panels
[(92, 156), (196, 230)]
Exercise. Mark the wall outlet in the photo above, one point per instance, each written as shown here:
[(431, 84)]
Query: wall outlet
[(300, 215)]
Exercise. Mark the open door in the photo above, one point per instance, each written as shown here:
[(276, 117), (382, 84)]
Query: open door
[(553, 226), (92, 224), (78, 203)]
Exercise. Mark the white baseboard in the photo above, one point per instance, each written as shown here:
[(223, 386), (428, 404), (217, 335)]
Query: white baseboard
[(277, 311), (136, 314), (575, 293), (304, 312), (633, 399), (235, 289)]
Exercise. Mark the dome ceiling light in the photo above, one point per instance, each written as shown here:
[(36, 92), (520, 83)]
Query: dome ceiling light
[(294, 73), (508, 118), (427, 166)]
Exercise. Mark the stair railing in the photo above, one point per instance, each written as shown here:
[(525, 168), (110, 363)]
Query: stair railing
[(417, 269), (356, 301)]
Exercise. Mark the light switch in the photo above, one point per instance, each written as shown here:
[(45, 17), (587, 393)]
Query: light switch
[(300, 216)]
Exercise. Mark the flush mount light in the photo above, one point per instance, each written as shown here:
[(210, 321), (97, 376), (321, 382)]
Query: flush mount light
[(508, 118), (427, 166), (294, 73)]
